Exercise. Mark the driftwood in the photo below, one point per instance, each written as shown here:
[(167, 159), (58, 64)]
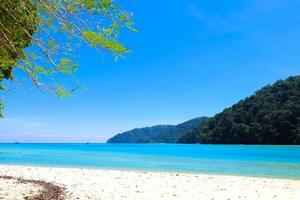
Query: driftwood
[(50, 191)]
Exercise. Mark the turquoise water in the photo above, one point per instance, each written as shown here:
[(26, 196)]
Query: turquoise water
[(265, 161)]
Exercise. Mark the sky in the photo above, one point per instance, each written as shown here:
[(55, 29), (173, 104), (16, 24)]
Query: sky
[(190, 58)]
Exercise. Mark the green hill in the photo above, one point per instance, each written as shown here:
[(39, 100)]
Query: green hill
[(157, 134), (270, 116)]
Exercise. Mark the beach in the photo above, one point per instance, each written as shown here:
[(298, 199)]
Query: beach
[(77, 183)]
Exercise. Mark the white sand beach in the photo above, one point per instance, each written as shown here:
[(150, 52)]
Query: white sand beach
[(11, 189), (117, 185)]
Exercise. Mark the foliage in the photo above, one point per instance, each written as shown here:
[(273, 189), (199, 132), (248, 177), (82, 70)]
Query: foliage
[(271, 116), (55, 28), (15, 32), (156, 134)]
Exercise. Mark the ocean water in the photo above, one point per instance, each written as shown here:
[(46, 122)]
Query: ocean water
[(264, 161)]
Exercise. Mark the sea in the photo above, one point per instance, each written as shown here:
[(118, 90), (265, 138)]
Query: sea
[(244, 160)]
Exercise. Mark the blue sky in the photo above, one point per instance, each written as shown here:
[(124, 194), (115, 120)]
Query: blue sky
[(190, 58)]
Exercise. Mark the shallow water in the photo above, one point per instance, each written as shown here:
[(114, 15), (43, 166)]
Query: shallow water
[(265, 161)]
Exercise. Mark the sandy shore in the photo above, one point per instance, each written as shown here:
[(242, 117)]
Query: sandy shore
[(118, 185), (12, 189)]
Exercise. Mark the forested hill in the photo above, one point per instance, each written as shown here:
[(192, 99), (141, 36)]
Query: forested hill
[(157, 134), (270, 116)]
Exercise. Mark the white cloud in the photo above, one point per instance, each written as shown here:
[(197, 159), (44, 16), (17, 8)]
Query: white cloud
[(24, 129), (21, 122)]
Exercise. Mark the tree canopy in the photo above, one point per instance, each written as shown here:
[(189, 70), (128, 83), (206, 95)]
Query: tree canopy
[(158, 133), (54, 29), (270, 116)]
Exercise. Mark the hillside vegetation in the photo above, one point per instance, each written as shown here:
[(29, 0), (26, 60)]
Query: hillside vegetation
[(270, 116), (157, 134)]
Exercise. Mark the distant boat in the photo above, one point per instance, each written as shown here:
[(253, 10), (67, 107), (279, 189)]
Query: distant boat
[(17, 143), (87, 143)]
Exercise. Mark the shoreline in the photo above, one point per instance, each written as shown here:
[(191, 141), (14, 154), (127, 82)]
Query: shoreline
[(151, 171), (85, 183)]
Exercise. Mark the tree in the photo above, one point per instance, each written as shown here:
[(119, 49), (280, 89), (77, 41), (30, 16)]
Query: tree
[(270, 116), (54, 29)]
